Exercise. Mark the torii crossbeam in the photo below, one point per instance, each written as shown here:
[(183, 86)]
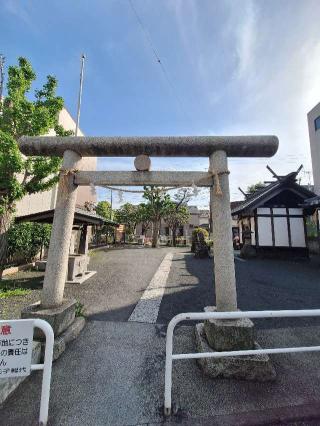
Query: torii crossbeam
[(216, 148)]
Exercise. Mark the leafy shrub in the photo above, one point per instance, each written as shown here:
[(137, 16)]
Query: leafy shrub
[(79, 309), (27, 239), (195, 234)]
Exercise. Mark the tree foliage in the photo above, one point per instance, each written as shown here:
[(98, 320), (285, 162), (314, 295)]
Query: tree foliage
[(27, 239), (20, 116), (195, 236), (128, 214), (144, 217), (255, 187), (176, 215), (103, 208), (156, 207)]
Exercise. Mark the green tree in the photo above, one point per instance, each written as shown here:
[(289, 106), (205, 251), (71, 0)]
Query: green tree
[(27, 239), (20, 116), (103, 208), (255, 187), (157, 204), (175, 216), (144, 217), (128, 214), (195, 236)]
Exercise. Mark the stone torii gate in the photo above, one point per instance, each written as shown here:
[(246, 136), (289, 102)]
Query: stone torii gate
[(72, 149)]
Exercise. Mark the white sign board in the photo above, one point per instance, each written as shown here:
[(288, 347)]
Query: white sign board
[(15, 348)]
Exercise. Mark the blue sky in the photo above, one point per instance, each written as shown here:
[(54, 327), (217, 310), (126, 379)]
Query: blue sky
[(235, 67)]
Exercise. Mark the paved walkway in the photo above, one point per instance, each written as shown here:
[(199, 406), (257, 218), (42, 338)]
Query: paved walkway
[(113, 374)]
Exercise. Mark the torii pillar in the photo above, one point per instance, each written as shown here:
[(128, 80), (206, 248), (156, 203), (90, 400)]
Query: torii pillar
[(217, 148)]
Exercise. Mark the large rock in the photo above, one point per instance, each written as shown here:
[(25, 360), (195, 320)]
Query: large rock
[(252, 367), (229, 335)]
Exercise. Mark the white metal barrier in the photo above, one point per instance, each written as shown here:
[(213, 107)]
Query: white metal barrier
[(225, 315), (23, 366), (46, 367)]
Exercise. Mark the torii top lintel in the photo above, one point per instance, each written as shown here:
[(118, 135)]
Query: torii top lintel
[(154, 146)]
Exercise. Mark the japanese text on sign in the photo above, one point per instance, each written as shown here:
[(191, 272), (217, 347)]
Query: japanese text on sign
[(15, 348)]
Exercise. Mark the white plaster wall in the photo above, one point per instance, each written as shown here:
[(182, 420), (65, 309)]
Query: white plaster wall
[(281, 236), (253, 234), (278, 210), (296, 211), (263, 210), (297, 232), (264, 229), (314, 137)]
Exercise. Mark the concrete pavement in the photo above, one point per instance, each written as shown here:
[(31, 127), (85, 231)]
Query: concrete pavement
[(113, 374)]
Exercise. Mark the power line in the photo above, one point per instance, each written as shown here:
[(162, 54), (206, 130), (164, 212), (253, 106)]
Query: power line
[(156, 55)]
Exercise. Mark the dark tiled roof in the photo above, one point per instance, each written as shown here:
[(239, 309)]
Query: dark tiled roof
[(258, 197), (81, 216), (312, 202)]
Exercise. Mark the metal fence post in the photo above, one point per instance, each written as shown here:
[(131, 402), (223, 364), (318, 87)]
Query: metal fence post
[(47, 367)]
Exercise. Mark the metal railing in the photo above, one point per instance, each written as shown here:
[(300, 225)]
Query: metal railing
[(46, 367), (225, 315)]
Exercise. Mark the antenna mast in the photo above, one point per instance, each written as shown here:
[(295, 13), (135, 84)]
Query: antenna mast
[(83, 57)]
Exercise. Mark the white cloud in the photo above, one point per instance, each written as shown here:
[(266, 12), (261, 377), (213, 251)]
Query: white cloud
[(268, 54), (18, 9)]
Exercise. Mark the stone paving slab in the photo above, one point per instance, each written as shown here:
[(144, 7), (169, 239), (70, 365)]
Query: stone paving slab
[(114, 375)]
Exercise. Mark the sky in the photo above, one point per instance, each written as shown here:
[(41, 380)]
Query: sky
[(228, 67)]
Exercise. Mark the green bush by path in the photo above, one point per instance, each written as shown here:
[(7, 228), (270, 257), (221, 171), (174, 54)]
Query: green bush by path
[(27, 239), (195, 234)]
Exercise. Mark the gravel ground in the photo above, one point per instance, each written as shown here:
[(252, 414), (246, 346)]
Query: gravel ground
[(10, 308)]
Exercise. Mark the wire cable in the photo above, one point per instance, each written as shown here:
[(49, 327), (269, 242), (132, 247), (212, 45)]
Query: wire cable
[(156, 55)]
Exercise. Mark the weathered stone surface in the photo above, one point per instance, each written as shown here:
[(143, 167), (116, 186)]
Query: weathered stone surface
[(59, 318), (7, 386), (57, 264), (82, 278), (158, 178), (252, 367), (60, 343), (41, 265), (142, 163), (229, 335), (248, 252), (155, 146), (224, 273), (77, 265)]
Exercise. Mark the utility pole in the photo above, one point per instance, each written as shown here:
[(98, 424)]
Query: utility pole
[(83, 57), (110, 204), (2, 59)]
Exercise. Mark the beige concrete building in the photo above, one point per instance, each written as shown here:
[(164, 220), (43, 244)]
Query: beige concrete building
[(46, 200), (314, 135)]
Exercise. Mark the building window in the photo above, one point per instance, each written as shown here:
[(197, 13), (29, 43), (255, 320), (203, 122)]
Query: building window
[(317, 123)]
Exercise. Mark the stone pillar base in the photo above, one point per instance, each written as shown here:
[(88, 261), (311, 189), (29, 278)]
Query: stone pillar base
[(229, 335), (65, 325), (252, 367)]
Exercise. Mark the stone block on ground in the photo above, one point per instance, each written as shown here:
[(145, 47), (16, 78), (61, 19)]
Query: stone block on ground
[(229, 335), (248, 252), (9, 385), (60, 318), (250, 367), (60, 342)]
